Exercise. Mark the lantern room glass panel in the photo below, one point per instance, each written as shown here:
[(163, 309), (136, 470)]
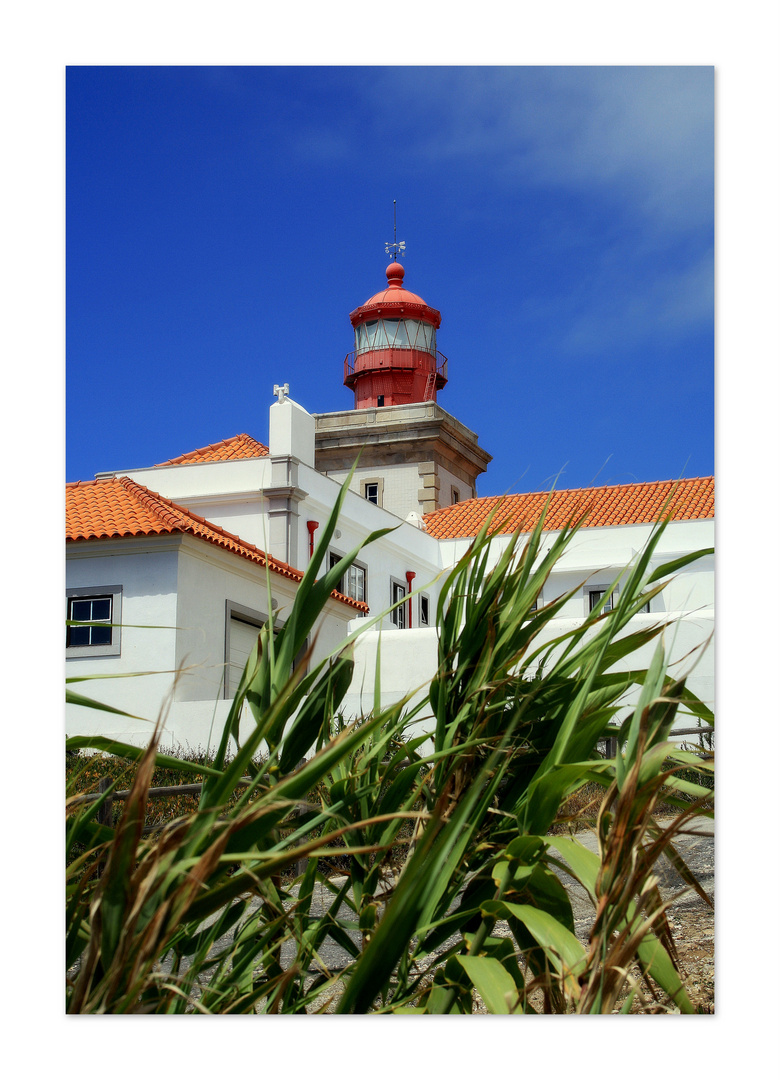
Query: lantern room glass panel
[(395, 334)]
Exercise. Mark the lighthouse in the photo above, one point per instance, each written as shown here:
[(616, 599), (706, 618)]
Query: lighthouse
[(412, 456), (395, 360)]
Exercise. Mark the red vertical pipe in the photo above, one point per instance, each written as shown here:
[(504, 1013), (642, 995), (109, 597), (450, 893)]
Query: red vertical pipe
[(410, 576), (312, 526)]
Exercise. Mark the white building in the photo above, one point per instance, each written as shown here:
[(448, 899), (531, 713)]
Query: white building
[(182, 560)]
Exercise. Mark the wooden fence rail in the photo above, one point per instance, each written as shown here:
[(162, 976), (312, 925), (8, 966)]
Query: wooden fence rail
[(105, 815), (153, 793), (195, 789)]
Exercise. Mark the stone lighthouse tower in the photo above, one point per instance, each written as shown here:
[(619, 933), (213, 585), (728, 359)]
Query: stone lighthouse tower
[(414, 456)]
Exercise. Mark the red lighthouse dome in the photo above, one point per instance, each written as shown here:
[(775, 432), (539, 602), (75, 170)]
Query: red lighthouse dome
[(395, 361)]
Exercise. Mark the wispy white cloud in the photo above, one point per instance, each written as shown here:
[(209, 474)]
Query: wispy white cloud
[(644, 132), (614, 318), (637, 142)]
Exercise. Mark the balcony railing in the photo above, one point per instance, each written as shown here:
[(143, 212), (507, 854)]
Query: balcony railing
[(388, 357)]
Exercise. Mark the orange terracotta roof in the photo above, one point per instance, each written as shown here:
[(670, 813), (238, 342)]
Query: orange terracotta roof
[(623, 504), (240, 446), (118, 506)]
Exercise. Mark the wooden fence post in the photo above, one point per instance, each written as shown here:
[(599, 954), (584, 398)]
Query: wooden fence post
[(105, 814)]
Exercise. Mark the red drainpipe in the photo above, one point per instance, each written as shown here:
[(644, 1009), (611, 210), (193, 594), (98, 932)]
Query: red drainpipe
[(410, 576), (312, 526)]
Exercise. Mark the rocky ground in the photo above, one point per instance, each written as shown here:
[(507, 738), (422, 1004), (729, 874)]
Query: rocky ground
[(691, 920)]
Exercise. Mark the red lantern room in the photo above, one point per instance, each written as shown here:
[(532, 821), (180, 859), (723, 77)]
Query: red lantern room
[(395, 361)]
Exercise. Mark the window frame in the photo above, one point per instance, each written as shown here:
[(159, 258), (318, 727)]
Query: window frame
[(592, 590), (93, 592), (380, 486), (334, 557), (398, 616), (427, 621), (243, 614), (252, 617)]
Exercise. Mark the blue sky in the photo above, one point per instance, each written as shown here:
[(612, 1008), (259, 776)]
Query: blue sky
[(223, 222)]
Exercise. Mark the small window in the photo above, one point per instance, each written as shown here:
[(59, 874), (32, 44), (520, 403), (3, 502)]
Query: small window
[(595, 597), (334, 560), (372, 489), (353, 583), (424, 611), (95, 611), (455, 496), (97, 614), (398, 615), (380, 400)]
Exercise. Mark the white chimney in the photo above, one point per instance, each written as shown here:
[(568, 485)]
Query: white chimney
[(291, 431)]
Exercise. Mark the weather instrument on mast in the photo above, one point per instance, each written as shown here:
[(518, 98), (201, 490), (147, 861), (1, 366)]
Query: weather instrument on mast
[(397, 247)]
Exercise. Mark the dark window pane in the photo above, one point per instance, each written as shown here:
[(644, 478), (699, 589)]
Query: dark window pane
[(334, 560), (595, 599), (101, 609), (101, 635), (78, 635), (81, 610)]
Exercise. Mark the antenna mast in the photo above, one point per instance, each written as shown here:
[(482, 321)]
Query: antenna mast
[(395, 248)]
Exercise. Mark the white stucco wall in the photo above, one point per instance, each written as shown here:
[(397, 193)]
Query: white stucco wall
[(405, 548), (147, 573), (408, 658), (202, 479), (174, 593), (596, 556), (207, 578)]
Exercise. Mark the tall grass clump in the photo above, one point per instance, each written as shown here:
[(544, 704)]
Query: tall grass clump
[(448, 888)]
